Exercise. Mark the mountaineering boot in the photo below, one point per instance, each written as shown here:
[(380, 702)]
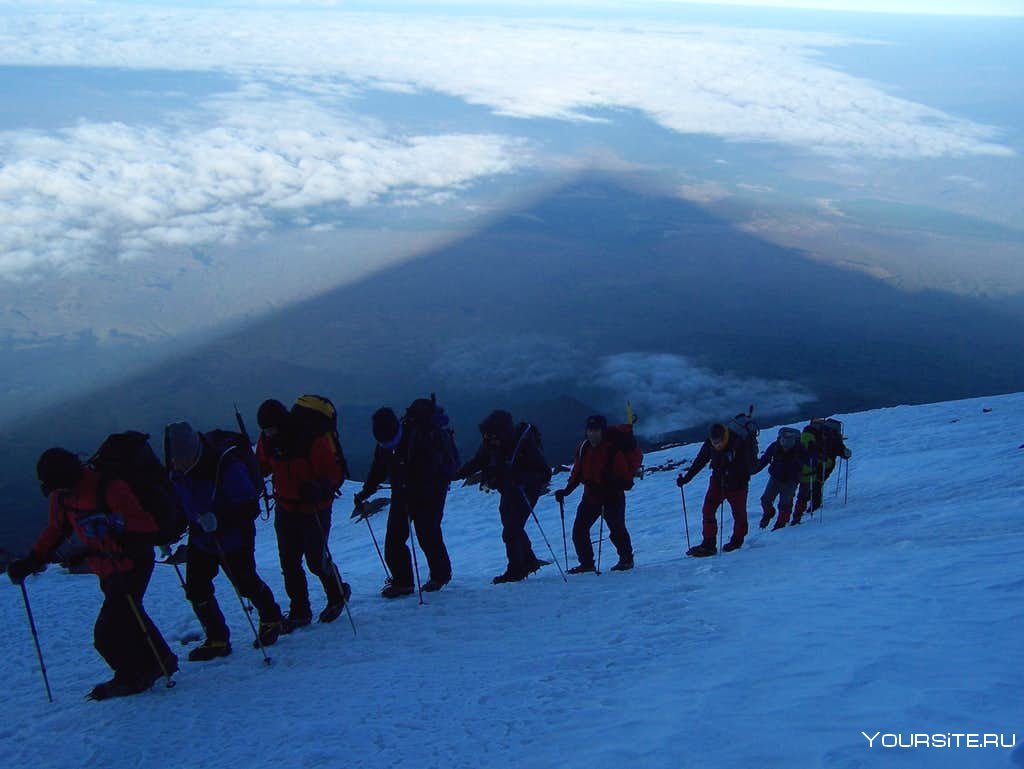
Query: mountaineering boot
[(394, 590), (766, 519), (121, 685), (779, 525), (509, 575), (293, 621), (583, 568), (433, 585), (624, 564), (269, 632), (154, 674), (703, 550), (732, 544), (333, 610), (210, 649)]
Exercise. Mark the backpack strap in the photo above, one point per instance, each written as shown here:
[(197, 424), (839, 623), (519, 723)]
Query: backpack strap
[(522, 435)]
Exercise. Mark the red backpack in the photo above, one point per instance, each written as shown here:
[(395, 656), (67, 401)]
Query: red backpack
[(622, 440)]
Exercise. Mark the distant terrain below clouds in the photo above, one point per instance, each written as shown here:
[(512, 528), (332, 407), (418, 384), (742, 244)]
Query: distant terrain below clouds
[(291, 138)]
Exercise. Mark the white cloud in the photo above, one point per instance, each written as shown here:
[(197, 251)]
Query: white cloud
[(748, 85), (73, 198), (237, 163), (668, 392)]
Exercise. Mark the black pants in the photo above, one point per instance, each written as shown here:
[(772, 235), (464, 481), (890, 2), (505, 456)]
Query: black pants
[(426, 512), (118, 636), (612, 505), (239, 566), (515, 508), (305, 535)]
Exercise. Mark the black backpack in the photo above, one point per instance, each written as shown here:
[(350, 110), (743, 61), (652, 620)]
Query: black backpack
[(429, 423), (832, 437), (128, 457), (745, 428), (528, 436), (315, 415), (225, 442)]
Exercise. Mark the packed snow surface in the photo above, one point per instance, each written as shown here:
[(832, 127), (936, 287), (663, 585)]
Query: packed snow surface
[(897, 612)]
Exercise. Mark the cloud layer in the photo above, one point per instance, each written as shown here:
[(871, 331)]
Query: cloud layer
[(668, 392), (69, 199), (238, 163)]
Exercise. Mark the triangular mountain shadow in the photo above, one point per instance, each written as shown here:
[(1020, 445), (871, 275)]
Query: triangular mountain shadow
[(519, 315)]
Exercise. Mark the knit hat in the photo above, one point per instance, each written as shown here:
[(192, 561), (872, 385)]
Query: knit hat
[(272, 413), (183, 444), (58, 468), (385, 425)]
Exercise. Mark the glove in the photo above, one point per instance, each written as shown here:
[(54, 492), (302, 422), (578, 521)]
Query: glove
[(847, 453), (765, 520), (21, 568), (560, 496), (208, 522), (681, 481), (360, 497)]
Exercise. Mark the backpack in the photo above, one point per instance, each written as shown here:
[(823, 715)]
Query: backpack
[(223, 441), (529, 436), (314, 416), (128, 457), (622, 440), (829, 433), (429, 422), (788, 438), (744, 427)]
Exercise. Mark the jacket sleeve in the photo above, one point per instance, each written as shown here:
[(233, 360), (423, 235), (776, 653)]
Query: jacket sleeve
[(477, 462), (702, 458), (765, 460), (57, 529), (576, 476), (237, 499), (326, 461), (378, 472)]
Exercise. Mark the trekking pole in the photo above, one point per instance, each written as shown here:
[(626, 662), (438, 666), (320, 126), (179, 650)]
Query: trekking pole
[(721, 519), (171, 683), (387, 572), (546, 542), (241, 601), (35, 638), (600, 540), (846, 491), (565, 546), (415, 563), (337, 571), (686, 518)]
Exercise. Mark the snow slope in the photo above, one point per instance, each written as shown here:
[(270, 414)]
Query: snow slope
[(900, 613)]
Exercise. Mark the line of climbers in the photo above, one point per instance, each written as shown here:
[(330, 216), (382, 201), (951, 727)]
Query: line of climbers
[(124, 500)]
